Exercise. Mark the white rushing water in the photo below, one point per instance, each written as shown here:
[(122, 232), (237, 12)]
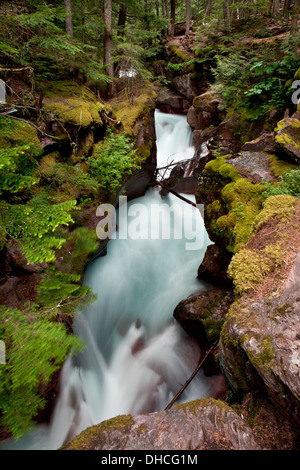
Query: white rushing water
[(174, 138), (137, 357)]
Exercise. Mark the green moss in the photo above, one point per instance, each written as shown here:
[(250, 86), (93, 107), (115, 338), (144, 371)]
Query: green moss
[(73, 112), (244, 200), (278, 167), (248, 268), (48, 162), (213, 208), (128, 113), (195, 406), (280, 207), (284, 137), (228, 171), (242, 316), (66, 89), (266, 354), (176, 51), (90, 438), (14, 133)]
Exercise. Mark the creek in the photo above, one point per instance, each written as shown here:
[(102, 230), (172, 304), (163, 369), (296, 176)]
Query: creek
[(137, 356)]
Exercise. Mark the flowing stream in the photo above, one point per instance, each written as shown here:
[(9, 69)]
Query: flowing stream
[(137, 356)]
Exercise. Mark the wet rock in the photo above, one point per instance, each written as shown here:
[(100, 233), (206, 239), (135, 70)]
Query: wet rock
[(260, 340), (202, 314), (255, 164), (264, 143), (213, 268), (200, 425), (287, 137), (206, 111), (185, 86)]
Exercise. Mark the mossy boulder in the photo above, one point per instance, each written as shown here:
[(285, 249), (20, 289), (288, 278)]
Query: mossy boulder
[(14, 133), (287, 137), (260, 339), (231, 204), (202, 314), (197, 425), (76, 112)]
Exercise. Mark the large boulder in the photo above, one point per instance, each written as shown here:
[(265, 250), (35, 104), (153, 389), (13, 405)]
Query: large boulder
[(202, 314), (260, 339), (214, 266), (287, 137), (205, 424), (206, 111)]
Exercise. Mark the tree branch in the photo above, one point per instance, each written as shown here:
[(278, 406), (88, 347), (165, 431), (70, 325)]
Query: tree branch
[(209, 351)]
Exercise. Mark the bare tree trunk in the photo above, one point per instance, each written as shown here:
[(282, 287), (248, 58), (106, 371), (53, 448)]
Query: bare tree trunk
[(226, 14), (157, 8), (276, 7), (173, 7), (167, 9), (108, 43), (188, 17), (69, 18), (122, 19), (295, 18), (208, 8), (83, 21), (286, 7)]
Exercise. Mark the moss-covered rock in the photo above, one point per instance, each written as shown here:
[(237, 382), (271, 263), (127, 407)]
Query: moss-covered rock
[(287, 137), (76, 112), (14, 133), (231, 204), (202, 314), (280, 208), (259, 348), (201, 424)]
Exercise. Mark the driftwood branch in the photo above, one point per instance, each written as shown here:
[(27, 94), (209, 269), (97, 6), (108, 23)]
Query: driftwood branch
[(201, 362), (176, 194)]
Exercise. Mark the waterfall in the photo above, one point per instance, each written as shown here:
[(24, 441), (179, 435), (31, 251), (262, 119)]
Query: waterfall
[(136, 356), (174, 138)]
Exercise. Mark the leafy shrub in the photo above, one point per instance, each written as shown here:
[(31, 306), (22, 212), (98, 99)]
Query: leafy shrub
[(288, 183), (111, 159), (35, 349)]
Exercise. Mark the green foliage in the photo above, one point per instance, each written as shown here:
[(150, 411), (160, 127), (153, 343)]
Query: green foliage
[(111, 159), (73, 179), (35, 349), (288, 183), (16, 169), (34, 224), (256, 81)]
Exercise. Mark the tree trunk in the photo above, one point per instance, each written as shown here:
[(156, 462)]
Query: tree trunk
[(208, 8), (167, 9), (122, 19), (188, 17), (276, 7), (286, 7), (69, 18), (83, 21), (226, 14), (295, 18), (108, 43), (173, 7)]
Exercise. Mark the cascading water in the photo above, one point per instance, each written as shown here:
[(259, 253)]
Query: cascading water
[(137, 356), (174, 138)]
